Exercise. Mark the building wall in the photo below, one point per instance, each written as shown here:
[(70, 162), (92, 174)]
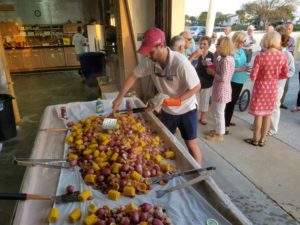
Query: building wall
[(142, 16), (178, 13), (52, 11)]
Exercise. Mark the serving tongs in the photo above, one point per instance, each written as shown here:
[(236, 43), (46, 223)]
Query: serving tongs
[(203, 173), (49, 163), (168, 177)]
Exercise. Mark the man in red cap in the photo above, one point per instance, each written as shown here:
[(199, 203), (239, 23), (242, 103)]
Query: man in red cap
[(173, 76)]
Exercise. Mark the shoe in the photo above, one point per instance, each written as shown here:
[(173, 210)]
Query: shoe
[(262, 143), (209, 132), (296, 109), (232, 124), (214, 137), (202, 122), (283, 106), (226, 130), (251, 141)]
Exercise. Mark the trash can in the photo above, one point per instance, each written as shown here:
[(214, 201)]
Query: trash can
[(93, 65), (7, 118)]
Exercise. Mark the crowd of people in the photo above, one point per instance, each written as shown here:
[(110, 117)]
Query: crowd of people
[(211, 75)]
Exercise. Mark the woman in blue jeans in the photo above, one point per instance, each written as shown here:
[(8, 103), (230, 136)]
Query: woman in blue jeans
[(239, 77)]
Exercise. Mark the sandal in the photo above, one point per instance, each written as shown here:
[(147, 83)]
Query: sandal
[(202, 122), (251, 141), (261, 143), (296, 109), (209, 132)]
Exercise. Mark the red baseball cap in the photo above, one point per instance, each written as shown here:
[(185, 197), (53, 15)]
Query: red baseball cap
[(152, 38)]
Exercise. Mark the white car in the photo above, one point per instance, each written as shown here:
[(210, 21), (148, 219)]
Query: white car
[(197, 31)]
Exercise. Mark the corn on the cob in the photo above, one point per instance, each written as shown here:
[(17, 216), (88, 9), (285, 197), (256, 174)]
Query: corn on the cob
[(129, 191), (90, 219), (75, 215), (85, 195), (114, 195), (53, 215)]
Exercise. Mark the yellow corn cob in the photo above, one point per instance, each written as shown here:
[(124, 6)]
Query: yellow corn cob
[(114, 195), (72, 156), (143, 223), (102, 164), (93, 146), (129, 191), (95, 166), (108, 153), (165, 167), (96, 153), (79, 142), (114, 157), (88, 151), (69, 139), (90, 219), (81, 147), (53, 215), (115, 168), (142, 187), (75, 215), (169, 154), (136, 176), (90, 178), (130, 207), (158, 158), (147, 156), (85, 195), (92, 208)]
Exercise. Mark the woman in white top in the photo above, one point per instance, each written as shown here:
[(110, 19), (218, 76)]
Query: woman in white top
[(281, 83)]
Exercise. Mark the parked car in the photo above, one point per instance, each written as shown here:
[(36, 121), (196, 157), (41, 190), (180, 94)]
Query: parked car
[(218, 29), (197, 32)]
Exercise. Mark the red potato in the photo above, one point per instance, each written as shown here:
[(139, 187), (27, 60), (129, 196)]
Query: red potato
[(100, 222), (125, 221), (135, 217), (70, 189), (101, 213), (106, 171), (146, 173), (157, 222), (146, 207), (100, 178), (144, 216)]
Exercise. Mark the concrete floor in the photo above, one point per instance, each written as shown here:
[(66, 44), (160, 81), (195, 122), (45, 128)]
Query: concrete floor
[(263, 184)]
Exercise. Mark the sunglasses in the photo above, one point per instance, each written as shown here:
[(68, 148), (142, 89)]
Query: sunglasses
[(158, 74)]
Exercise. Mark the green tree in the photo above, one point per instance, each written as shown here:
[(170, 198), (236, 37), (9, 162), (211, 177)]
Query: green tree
[(202, 18), (270, 11), (194, 20), (220, 18), (243, 17)]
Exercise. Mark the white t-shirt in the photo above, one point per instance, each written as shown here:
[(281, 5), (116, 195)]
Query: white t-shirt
[(182, 77)]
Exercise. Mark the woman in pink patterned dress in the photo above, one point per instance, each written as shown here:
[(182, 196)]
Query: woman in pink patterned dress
[(269, 66), (221, 88)]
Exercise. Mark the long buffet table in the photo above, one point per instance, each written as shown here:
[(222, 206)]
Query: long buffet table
[(45, 181)]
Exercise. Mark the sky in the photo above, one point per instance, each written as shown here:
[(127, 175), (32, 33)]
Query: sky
[(195, 7)]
